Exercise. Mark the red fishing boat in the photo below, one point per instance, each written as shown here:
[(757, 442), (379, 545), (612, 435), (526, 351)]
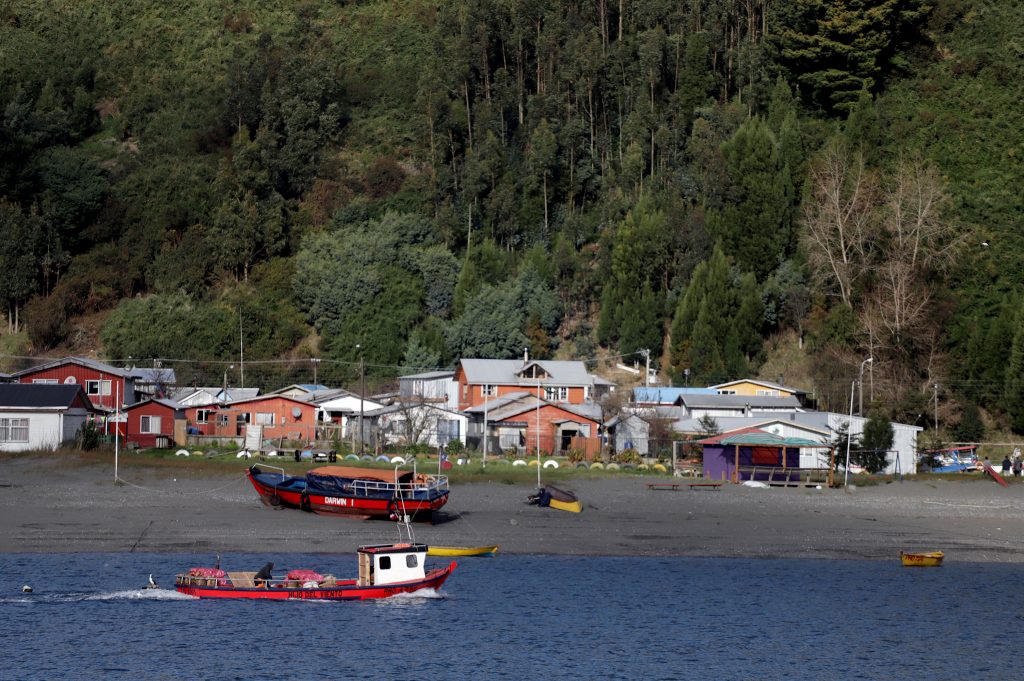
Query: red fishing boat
[(344, 490), (384, 570)]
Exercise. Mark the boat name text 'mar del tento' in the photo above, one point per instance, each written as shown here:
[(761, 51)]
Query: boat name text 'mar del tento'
[(384, 570)]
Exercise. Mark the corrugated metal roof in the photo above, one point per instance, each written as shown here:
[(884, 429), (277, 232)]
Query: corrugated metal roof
[(666, 395), (91, 363), (737, 401), (506, 372), (427, 376), (757, 437)]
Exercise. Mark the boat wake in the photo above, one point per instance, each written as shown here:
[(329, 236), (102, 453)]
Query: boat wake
[(415, 596), (75, 597)]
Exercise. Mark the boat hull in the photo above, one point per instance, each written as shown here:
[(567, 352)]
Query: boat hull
[(462, 550), (932, 559), (570, 506), (379, 506), (343, 591)]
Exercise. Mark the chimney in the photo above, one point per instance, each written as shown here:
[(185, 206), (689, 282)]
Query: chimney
[(526, 355)]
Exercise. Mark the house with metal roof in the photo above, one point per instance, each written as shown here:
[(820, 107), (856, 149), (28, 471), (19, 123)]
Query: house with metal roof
[(522, 422), (155, 422), (107, 387), (561, 381), (718, 405), (41, 416), (414, 423)]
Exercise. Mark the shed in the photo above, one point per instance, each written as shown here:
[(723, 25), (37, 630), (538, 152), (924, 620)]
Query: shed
[(755, 454)]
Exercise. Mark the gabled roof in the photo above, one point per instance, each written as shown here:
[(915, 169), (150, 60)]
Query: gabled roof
[(767, 384), (711, 401), (154, 375), (732, 424), (757, 437), (321, 396), (42, 396), (268, 396), (170, 404), (81, 361), (513, 404), (507, 372)]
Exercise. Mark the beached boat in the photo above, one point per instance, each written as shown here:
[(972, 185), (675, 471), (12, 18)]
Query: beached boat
[(553, 497), (929, 559), (384, 570), (462, 550), (343, 490)]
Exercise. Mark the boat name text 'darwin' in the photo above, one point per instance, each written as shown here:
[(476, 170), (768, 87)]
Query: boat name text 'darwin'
[(337, 502)]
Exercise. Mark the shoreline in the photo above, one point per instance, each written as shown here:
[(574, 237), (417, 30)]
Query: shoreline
[(50, 508)]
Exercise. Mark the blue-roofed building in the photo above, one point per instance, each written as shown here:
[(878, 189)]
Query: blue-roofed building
[(663, 397)]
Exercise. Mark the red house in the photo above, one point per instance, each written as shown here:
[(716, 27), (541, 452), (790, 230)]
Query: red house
[(106, 386), (281, 417), (522, 422), (568, 382), (150, 423)]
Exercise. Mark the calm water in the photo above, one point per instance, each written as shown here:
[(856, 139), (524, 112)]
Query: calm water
[(521, 617)]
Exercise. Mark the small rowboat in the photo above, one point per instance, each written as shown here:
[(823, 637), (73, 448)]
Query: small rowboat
[(462, 550), (553, 497), (931, 559)]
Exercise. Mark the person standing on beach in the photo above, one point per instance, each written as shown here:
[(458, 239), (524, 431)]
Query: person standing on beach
[(1017, 467), (1006, 465)]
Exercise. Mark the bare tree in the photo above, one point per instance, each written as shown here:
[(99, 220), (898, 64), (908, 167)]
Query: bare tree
[(838, 217)]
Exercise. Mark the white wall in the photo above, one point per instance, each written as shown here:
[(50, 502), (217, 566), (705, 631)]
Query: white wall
[(904, 442), (46, 430)]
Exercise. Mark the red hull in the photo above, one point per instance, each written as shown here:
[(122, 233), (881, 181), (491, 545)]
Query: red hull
[(344, 505), (344, 591)]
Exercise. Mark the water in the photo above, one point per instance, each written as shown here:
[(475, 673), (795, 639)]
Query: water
[(519, 617)]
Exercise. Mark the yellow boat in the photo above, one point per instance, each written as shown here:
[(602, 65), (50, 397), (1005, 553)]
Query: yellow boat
[(931, 559), (462, 550), (571, 506)]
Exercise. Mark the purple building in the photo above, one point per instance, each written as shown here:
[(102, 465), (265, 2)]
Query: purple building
[(752, 453)]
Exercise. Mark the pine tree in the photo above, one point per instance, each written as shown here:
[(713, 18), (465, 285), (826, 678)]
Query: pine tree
[(1013, 386)]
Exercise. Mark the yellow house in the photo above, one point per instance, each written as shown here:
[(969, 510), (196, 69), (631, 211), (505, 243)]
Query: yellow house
[(758, 388)]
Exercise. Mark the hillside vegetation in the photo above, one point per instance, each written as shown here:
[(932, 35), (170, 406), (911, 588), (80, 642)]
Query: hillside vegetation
[(405, 183)]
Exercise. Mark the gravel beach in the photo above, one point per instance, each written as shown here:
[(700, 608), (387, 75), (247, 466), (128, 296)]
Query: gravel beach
[(49, 507)]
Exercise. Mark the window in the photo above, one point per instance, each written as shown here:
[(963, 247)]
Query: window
[(97, 387), (203, 415), (488, 390), (222, 419), (45, 381), (726, 392), (149, 424), (385, 562), (410, 560), (13, 430), (264, 418), (767, 393), (556, 393)]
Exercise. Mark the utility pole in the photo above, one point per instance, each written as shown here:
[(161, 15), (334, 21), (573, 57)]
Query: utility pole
[(362, 392), (935, 390), (647, 372), (241, 351)]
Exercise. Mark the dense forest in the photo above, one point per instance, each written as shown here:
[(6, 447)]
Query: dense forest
[(742, 187)]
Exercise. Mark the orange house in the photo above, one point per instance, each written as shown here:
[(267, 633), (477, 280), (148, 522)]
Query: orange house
[(280, 416), (522, 422), (567, 382)]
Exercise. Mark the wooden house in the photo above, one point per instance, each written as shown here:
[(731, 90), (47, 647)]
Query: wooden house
[(41, 416), (152, 423), (107, 387)]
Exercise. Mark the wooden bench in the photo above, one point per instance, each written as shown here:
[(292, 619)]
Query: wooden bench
[(663, 486), (705, 485)]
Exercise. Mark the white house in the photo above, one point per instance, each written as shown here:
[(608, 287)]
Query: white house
[(717, 405), (41, 416), (433, 386), (416, 423)]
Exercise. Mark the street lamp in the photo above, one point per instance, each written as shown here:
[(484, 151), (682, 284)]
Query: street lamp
[(860, 383)]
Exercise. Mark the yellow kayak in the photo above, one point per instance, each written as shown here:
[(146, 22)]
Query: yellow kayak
[(462, 550), (571, 506), (931, 559)]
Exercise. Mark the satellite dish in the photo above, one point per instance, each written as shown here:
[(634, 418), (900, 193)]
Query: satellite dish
[(296, 412), (70, 379)]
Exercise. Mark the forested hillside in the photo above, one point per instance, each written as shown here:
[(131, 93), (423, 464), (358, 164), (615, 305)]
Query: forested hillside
[(723, 182)]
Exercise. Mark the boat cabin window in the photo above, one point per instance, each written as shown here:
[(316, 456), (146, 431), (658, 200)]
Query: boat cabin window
[(410, 560), (385, 562)]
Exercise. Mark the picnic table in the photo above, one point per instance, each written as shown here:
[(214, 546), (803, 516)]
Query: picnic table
[(705, 485), (663, 486)]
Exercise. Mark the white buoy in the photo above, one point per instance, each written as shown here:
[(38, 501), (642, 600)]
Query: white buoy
[(27, 589)]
